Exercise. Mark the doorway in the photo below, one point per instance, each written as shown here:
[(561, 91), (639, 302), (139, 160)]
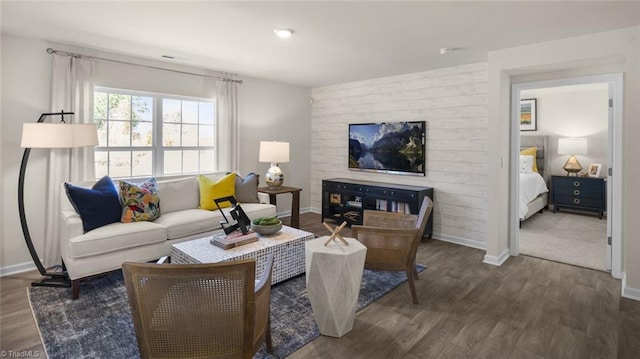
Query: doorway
[(567, 236)]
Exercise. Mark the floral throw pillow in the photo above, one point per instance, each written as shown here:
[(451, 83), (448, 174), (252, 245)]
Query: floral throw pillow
[(140, 201)]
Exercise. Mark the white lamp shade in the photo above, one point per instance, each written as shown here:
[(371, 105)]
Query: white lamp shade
[(58, 135), (572, 146), (274, 152)]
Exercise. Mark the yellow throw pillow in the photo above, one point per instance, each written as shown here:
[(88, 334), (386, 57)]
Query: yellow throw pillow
[(531, 152), (211, 190)]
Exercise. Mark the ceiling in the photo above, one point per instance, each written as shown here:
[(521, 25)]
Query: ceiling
[(334, 42)]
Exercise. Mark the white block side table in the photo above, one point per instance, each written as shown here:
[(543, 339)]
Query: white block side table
[(334, 274)]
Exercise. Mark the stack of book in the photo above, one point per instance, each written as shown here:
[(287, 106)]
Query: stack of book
[(233, 239)]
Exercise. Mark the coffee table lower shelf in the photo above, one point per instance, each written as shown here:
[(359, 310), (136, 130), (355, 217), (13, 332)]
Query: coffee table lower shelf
[(287, 246)]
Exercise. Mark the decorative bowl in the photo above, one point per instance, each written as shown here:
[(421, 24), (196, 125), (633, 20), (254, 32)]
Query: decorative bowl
[(264, 230)]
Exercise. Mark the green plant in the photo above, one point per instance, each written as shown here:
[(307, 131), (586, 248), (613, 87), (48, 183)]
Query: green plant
[(266, 221)]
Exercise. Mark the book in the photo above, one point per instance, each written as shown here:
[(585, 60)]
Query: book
[(233, 239)]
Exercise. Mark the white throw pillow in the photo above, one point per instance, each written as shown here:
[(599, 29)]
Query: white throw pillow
[(526, 164), (178, 194)]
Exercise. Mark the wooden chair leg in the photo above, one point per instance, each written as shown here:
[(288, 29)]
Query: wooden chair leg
[(412, 287), (415, 272), (75, 289), (268, 336)]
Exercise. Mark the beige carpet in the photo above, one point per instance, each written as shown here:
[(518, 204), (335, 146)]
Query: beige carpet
[(565, 237)]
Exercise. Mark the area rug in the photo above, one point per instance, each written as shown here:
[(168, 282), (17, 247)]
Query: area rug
[(99, 325)]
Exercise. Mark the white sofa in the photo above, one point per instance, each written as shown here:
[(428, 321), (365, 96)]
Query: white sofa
[(105, 248)]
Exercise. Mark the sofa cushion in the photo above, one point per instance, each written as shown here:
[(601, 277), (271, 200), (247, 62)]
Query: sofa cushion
[(140, 202), (189, 221), (98, 205), (247, 188), (257, 210), (211, 190), (178, 194), (115, 237)]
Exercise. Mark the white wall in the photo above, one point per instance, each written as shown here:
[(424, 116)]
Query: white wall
[(26, 82), (272, 111), (599, 53), (453, 101), (573, 111)]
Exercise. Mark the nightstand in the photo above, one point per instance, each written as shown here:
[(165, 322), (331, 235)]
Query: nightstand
[(581, 193)]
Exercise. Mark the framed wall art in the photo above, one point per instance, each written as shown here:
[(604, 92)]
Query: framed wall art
[(528, 115)]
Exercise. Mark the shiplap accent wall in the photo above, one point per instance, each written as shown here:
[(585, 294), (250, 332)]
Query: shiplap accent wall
[(453, 102)]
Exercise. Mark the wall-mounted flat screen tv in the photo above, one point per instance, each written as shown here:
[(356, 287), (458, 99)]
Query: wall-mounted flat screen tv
[(389, 147)]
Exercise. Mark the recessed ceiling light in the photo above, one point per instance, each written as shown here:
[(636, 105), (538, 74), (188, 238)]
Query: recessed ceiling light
[(446, 50), (283, 33)]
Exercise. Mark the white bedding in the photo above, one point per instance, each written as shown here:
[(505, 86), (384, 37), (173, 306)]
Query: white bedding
[(531, 185)]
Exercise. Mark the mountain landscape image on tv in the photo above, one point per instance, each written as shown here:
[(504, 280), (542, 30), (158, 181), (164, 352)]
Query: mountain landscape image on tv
[(390, 147)]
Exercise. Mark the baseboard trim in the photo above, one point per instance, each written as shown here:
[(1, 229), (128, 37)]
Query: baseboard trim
[(288, 213), (461, 241), (497, 261), (628, 292), (16, 268)]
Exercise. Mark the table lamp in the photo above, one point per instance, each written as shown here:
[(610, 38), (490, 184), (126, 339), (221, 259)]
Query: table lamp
[(572, 147), (49, 135), (274, 152)]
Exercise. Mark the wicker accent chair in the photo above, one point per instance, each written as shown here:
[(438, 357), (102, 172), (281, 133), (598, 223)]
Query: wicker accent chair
[(392, 240), (262, 327), (198, 310)]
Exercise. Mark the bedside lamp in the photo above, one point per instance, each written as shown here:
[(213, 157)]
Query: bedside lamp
[(572, 147), (274, 152)]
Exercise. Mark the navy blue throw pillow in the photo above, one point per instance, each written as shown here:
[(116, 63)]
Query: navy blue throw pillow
[(98, 205)]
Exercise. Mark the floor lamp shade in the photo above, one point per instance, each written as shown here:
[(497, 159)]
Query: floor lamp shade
[(58, 135), (572, 147), (49, 135), (274, 152)]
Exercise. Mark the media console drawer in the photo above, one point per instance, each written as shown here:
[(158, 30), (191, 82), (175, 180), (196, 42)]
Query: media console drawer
[(582, 193)]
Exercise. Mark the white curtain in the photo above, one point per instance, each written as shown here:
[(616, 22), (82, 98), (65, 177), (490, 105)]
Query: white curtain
[(227, 150), (71, 91)]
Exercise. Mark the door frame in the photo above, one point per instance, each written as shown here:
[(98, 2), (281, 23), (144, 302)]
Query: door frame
[(614, 179)]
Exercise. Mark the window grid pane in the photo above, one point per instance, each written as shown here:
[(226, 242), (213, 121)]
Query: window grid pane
[(125, 122)]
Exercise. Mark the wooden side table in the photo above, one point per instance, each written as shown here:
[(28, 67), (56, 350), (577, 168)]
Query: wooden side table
[(295, 201)]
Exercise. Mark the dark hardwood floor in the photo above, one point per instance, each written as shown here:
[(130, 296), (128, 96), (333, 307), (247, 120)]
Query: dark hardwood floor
[(527, 308)]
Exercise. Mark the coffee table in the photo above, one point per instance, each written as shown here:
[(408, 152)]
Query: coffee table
[(287, 245)]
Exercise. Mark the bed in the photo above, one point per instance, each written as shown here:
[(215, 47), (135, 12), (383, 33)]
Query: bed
[(533, 197)]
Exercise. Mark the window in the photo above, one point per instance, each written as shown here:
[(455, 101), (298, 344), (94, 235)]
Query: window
[(145, 134)]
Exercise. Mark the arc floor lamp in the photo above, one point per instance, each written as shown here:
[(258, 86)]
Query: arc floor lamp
[(49, 135)]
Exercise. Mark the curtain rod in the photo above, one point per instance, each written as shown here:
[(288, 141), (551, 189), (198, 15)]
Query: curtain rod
[(78, 56)]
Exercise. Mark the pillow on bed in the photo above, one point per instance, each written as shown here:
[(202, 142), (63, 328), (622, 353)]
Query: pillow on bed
[(526, 163), (531, 152)]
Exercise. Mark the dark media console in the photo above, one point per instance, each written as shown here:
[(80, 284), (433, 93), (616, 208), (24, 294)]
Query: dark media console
[(345, 199)]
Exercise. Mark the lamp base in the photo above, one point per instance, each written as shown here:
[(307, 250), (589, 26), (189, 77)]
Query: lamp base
[(572, 173), (57, 282), (53, 279), (572, 166), (274, 176)]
